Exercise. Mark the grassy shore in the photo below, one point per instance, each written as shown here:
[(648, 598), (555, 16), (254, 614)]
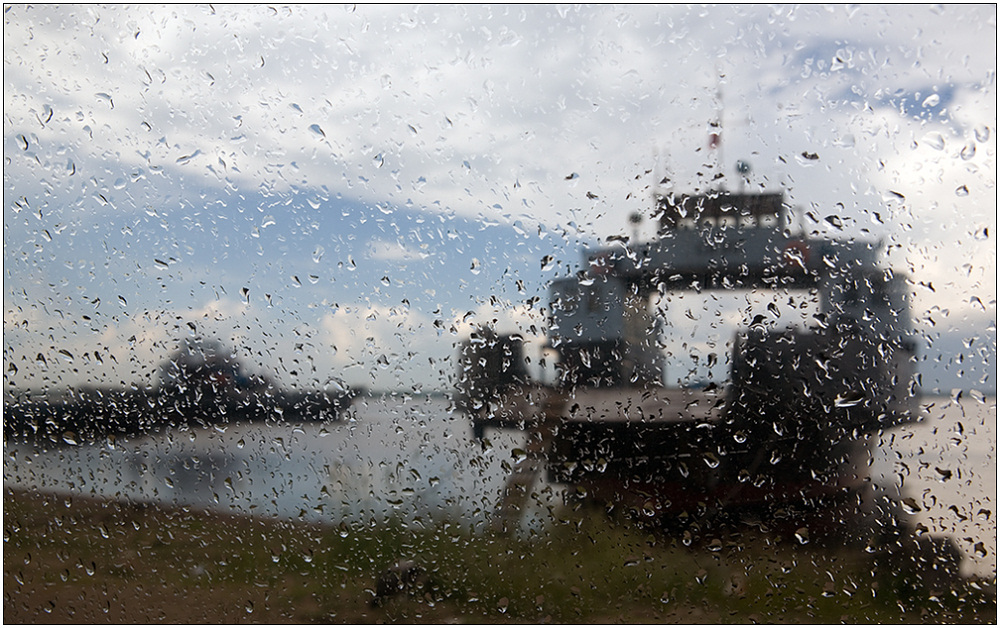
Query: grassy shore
[(77, 560)]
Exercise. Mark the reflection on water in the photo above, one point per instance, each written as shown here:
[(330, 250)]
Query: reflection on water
[(415, 458)]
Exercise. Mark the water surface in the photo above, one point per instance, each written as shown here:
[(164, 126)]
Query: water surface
[(415, 459)]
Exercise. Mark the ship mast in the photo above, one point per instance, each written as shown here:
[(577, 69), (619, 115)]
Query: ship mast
[(715, 130)]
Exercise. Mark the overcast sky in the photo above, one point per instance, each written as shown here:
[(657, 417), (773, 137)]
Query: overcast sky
[(345, 191)]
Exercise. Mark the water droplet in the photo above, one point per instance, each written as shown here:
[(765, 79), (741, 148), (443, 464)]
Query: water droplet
[(846, 141), (378, 160), (849, 400), (982, 133), (70, 438), (315, 128), (932, 101), (318, 253), (968, 151), (934, 140), (962, 191), (187, 158), (476, 266), (711, 460), (802, 534)]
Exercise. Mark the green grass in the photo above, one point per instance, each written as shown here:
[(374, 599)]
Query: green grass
[(84, 560)]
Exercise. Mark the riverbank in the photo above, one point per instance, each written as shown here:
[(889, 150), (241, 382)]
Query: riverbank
[(82, 560)]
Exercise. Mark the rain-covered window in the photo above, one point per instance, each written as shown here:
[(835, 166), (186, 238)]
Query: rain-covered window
[(490, 314)]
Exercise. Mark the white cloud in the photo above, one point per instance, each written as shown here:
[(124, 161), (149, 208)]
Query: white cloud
[(484, 111), (457, 107), (383, 250)]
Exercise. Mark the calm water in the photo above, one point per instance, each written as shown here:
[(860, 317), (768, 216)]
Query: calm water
[(946, 466), (415, 459)]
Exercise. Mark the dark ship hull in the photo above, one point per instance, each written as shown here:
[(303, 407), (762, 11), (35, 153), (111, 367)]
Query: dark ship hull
[(795, 424)]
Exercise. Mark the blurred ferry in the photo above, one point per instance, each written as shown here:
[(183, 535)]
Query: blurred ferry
[(794, 420), (202, 383)]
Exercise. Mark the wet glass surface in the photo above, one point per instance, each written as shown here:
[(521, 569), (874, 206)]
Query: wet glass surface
[(535, 314)]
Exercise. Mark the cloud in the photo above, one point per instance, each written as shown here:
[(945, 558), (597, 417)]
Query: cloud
[(481, 113), (385, 251), (310, 154)]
